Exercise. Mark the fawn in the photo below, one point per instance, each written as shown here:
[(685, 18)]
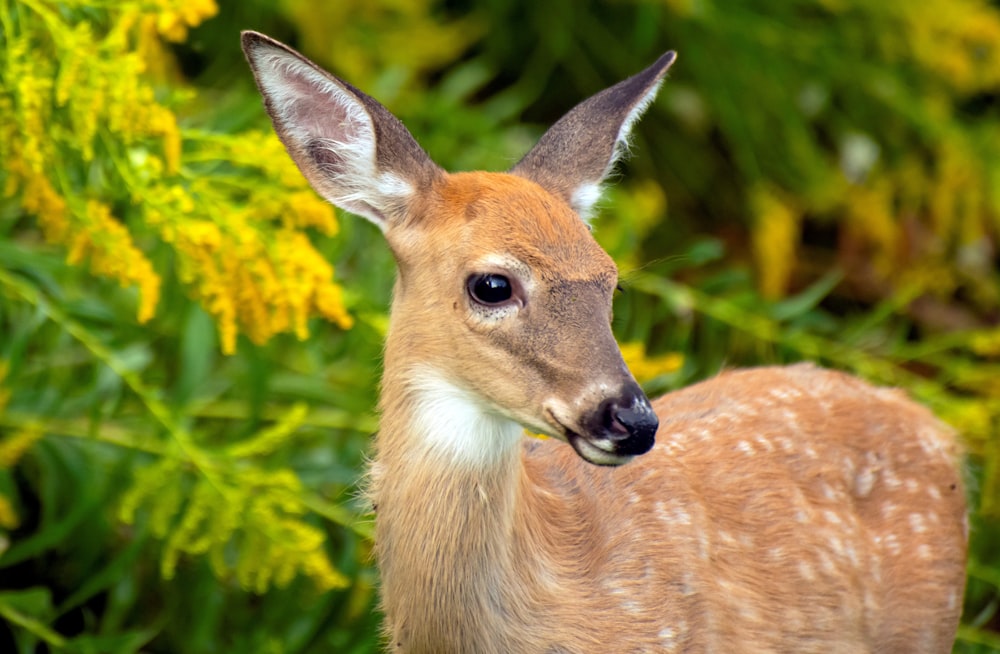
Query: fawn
[(782, 509)]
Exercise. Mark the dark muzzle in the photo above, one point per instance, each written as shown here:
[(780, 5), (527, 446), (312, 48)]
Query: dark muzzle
[(621, 427)]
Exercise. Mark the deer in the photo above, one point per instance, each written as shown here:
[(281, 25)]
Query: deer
[(771, 509)]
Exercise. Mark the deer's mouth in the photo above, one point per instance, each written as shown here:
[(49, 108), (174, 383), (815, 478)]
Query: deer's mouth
[(616, 431), (599, 451)]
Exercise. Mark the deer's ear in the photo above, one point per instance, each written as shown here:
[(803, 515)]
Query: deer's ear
[(576, 154), (352, 150)]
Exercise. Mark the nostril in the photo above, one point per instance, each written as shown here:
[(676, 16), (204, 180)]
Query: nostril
[(621, 423), (613, 422)]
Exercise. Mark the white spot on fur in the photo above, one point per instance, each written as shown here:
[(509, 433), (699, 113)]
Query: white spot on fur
[(668, 638), (852, 554), (932, 442), (792, 419), (934, 492), (871, 605), (704, 546), (864, 482), (924, 552), (453, 423), (618, 590), (675, 515), (826, 563), (748, 612), (787, 393), (688, 588), (745, 447), (891, 480), (670, 445), (917, 523), (764, 444)]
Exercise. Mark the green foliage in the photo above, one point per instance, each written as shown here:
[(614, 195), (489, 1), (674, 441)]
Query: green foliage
[(186, 392)]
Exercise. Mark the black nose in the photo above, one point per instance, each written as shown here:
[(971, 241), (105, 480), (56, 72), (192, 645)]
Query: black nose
[(626, 420)]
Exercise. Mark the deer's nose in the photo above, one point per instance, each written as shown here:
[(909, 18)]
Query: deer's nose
[(626, 420)]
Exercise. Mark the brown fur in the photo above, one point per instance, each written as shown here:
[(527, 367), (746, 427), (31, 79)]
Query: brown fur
[(781, 510)]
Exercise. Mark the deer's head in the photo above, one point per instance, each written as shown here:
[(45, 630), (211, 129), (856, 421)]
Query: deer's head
[(503, 300)]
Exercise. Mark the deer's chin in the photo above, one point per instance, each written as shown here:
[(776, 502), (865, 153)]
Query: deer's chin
[(600, 452)]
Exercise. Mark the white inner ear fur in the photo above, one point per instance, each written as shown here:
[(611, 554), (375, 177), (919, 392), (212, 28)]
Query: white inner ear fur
[(586, 196), (312, 110), (456, 426)]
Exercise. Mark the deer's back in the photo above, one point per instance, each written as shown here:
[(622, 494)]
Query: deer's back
[(782, 509)]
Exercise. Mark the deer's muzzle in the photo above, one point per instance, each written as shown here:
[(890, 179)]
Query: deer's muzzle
[(620, 428)]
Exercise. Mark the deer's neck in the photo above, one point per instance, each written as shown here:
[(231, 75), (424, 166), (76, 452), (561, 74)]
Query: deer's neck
[(447, 483)]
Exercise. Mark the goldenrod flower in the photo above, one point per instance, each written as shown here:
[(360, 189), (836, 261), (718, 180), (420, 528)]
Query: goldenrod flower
[(8, 516), (775, 235), (643, 367), (14, 446), (176, 16)]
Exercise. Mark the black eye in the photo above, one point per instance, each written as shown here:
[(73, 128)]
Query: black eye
[(490, 289)]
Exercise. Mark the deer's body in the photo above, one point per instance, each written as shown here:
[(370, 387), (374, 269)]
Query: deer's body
[(781, 509), (746, 529)]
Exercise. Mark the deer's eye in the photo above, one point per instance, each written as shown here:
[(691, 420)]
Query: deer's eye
[(490, 289)]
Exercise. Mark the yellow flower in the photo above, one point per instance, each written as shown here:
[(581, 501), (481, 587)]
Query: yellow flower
[(14, 446), (643, 367), (8, 517), (97, 235), (306, 209), (986, 342), (775, 236), (871, 216), (234, 219), (972, 418), (176, 16), (163, 123)]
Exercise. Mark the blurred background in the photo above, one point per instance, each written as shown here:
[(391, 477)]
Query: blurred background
[(190, 339)]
